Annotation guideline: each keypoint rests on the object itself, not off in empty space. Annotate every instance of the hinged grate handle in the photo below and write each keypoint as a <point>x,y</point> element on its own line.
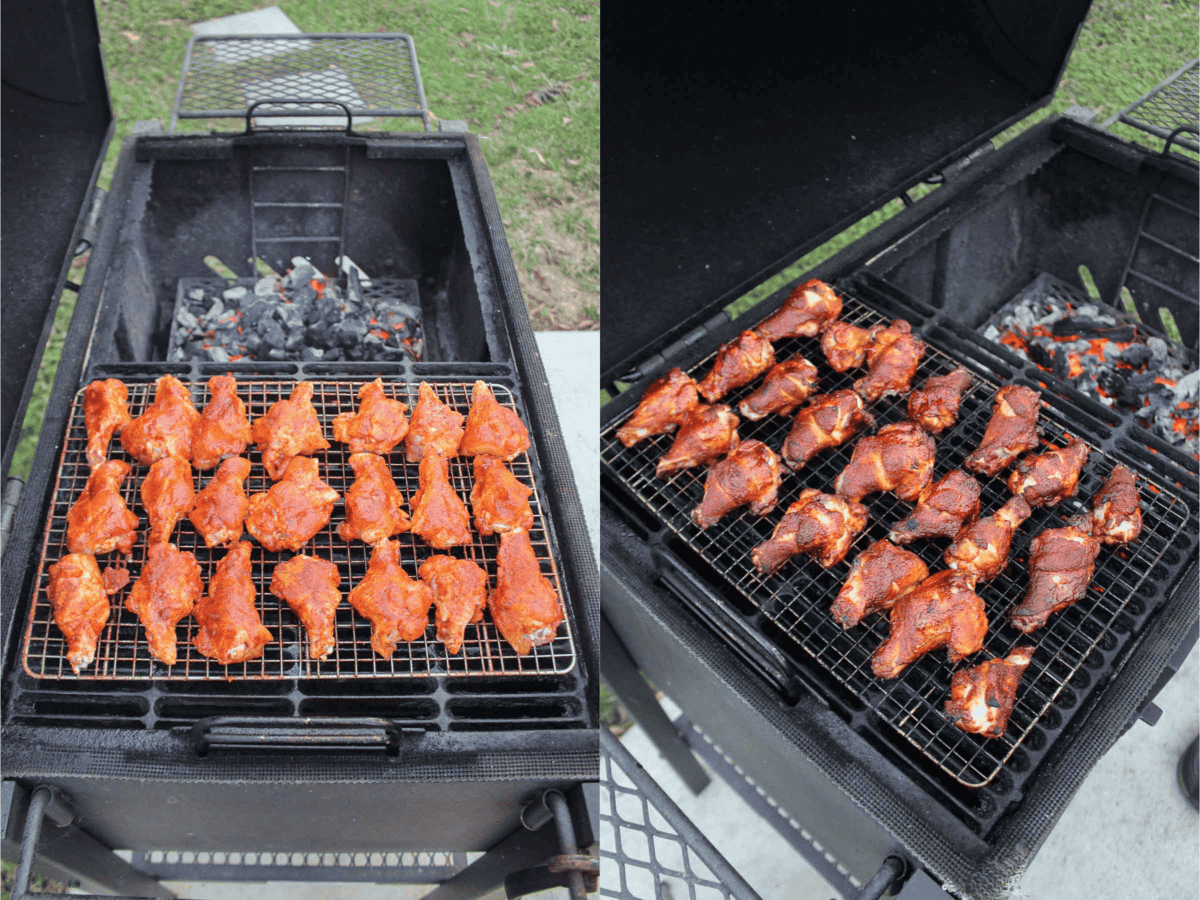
<point>285,733</point>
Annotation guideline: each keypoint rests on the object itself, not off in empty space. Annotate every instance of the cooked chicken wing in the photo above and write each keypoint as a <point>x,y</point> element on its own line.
<point>827,421</point>
<point>750,474</point>
<point>500,502</point>
<point>165,593</point>
<point>982,697</point>
<point>291,511</point>
<point>289,429</point>
<point>223,430</point>
<point>845,345</point>
<point>115,578</point>
<point>310,587</point>
<point>460,591</point>
<point>166,427</point>
<point>934,405</point>
<point>396,605</point>
<point>738,362</point>
<point>373,502</point>
<point>1050,477</point>
<point>881,575</point>
<point>1062,562</point>
<point>892,359</point>
<point>99,521</point>
<point>821,525</point>
<point>807,309</point>
<point>898,459</point>
<point>230,628</point>
<point>492,429</point>
<point>80,604</point>
<point>377,427</point>
<point>222,504</point>
<point>942,611</point>
<point>524,604</point>
<point>439,516</point>
<point>1011,431</point>
<point>981,548</point>
<point>104,414</point>
<point>941,510</point>
<point>786,386</point>
<point>434,426</point>
<point>167,495</point>
<point>663,407</point>
<point>707,434</point>
<point>1117,509</point>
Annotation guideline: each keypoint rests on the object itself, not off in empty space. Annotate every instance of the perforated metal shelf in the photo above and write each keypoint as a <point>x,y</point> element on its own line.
<point>1171,105</point>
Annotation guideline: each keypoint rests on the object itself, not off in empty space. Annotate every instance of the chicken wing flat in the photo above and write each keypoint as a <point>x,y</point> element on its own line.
<point>291,511</point>
<point>1117,509</point>
<point>99,521</point>
<point>934,405</point>
<point>942,611</point>
<point>223,430</point>
<point>524,604</point>
<point>80,605</point>
<point>707,434</point>
<point>434,426</point>
<point>881,575</point>
<point>289,429</point>
<point>786,386</point>
<point>492,429</point>
<point>165,593</point>
<point>892,359</point>
<point>310,587</point>
<point>167,496</point>
<point>807,309</point>
<point>738,362</point>
<point>373,512</point>
<point>439,516</point>
<point>230,628</point>
<point>982,697</point>
<point>166,428</point>
<point>1011,431</point>
<point>396,605</point>
<point>845,345</point>
<point>748,475</point>
<point>1062,562</point>
<point>981,548</point>
<point>827,421</point>
<point>662,409</point>
<point>1051,477</point>
<point>222,504</point>
<point>104,414</point>
<point>377,427</point>
<point>941,510</point>
<point>500,502</point>
<point>821,525</point>
<point>460,590</point>
<point>899,458</point>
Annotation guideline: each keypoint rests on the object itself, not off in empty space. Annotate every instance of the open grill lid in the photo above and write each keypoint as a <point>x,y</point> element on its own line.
<point>736,141</point>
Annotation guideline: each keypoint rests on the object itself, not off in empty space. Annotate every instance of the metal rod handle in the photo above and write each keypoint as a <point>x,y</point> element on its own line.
<point>308,100</point>
<point>284,733</point>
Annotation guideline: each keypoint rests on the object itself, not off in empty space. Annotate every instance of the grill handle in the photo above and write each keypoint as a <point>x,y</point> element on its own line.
<point>272,733</point>
<point>298,113</point>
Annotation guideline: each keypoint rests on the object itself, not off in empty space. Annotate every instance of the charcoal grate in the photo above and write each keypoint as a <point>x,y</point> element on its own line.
<point>122,652</point>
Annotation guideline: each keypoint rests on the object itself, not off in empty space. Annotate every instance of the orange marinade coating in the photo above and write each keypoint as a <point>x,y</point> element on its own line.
<point>492,429</point>
<point>230,628</point>
<point>166,427</point>
<point>439,516</point>
<point>99,521</point>
<point>165,593</point>
<point>104,414</point>
<point>223,430</point>
<point>222,505</point>
<point>434,427</point>
<point>291,511</point>
<point>289,429</point>
<point>377,427</point>
<point>396,605</point>
<point>80,605</point>
<point>500,502</point>
<point>310,587</point>
<point>373,502</point>
<point>524,604</point>
<point>460,591</point>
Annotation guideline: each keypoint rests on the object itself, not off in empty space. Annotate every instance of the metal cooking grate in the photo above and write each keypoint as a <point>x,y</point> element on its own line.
<point>1171,105</point>
<point>798,597</point>
<point>122,652</point>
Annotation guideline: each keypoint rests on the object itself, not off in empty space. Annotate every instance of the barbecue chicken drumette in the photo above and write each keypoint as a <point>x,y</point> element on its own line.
<point>492,429</point>
<point>982,697</point>
<point>439,516</point>
<point>230,628</point>
<point>662,409</point>
<point>1011,431</point>
<point>377,427</point>
<point>396,605</point>
<point>434,426</point>
<point>821,525</point>
<point>223,430</point>
<point>500,502</point>
<point>1051,477</point>
<point>460,591</point>
<point>807,309</point>
<point>99,521</point>
<point>166,428</point>
<point>524,604</point>
<point>941,509</point>
<point>1062,562</point>
<point>79,601</point>
<point>167,495</point>
<point>310,587</point>
<point>707,434</point>
<point>845,345</point>
<point>981,548</point>
<point>892,359</point>
<point>289,429</point>
<point>934,405</point>
<point>739,362</point>
<point>827,421</point>
<point>104,414</point>
<point>899,458</point>
<point>291,511</point>
<point>942,611</point>
<point>750,474</point>
<point>881,575</point>
<point>222,504</point>
<point>786,386</point>
<point>373,502</point>
<point>166,593</point>
<point>1117,509</point>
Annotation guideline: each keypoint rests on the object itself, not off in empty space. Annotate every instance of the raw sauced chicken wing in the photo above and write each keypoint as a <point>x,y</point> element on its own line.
<point>439,516</point>
<point>373,502</point>
<point>79,602</point>
<point>707,434</point>
<point>1062,562</point>
<point>377,427</point>
<point>460,590</point>
<point>899,458</point>
<point>821,525</point>
<point>434,427</point>
<point>310,587</point>
<point>892,359</point>
<point>500,502</point>
<point>942,611</point>
<point>165,594</point>
<point>289,429</point>
<point>934,405</point>
<point>396,605</point>
<point>881,575</point>
<point>104,414</point>
<point>786,386</point>
<point>1117,509</point>
<point>981,548</point>
<point>982,697</point>
<point>524,604</point>
<point>1011,431</point>
<point>291,511</point>
<point>99,521</point>
<point>827,421</point>
<point>845,345</point>
<point>223,431</point>
<point>167,495</point>
<point>941,510</point>
<point>1051,477</point>
<point>662,409</point>
<point>222,504</point>
<point>738,362</point>
<point>231,630</point>
<point>748,475</point>
<point>807,309</point>
<point>166,427</point>
<point>492,429</point>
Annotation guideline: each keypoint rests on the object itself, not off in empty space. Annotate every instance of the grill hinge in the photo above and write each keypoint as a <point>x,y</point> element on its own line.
<point>660,361</point>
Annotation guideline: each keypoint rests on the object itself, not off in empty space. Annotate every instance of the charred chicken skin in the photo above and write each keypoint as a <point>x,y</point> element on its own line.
<point>845,345</point>
<point>827,421</point>
<point>786,386</point>
<point>898,459</point>
<point>942,611</point>
<point>807,309</point>
<point>221,506</point>
<point>168,496</point>
<point>739,362</point>
<point>1117,509</point>
<point>941,510</point>
<point>373,512</point>
<point>80,605</point>
<point>460,590</point>
<point>310,587</point>
<point>291,511</point>
<point>434,427</point>
<point>1011,431</point>
<point>934,405</point>
<point>289,429</point>
<point>492,429</point>
<point>750,474</point>
<point>524,604</point>
<point>377,427</point>
<point>230,628</point>
<point>166,428</point>
<point>707,434</point>
<point>982,697</point>
<point>500,502</point>
<point>223,430</point>
<point>981,548</point>
<point>166,593</point>
<point>99,521</point>
<point>396,605</point>
<point>662,409</point>
<point>892,359</point>
<point>1051,477</point>
<point>881,575</point>
<point>104,414</point>
<point>1062,562</point>
<point>439,516</point>
<point>821,525</point>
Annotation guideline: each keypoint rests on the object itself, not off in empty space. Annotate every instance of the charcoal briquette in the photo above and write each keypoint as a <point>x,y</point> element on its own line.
<point>1137,355</point>
<point>234,295</point>
<point>271,333</point>
<point>290,315</point>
